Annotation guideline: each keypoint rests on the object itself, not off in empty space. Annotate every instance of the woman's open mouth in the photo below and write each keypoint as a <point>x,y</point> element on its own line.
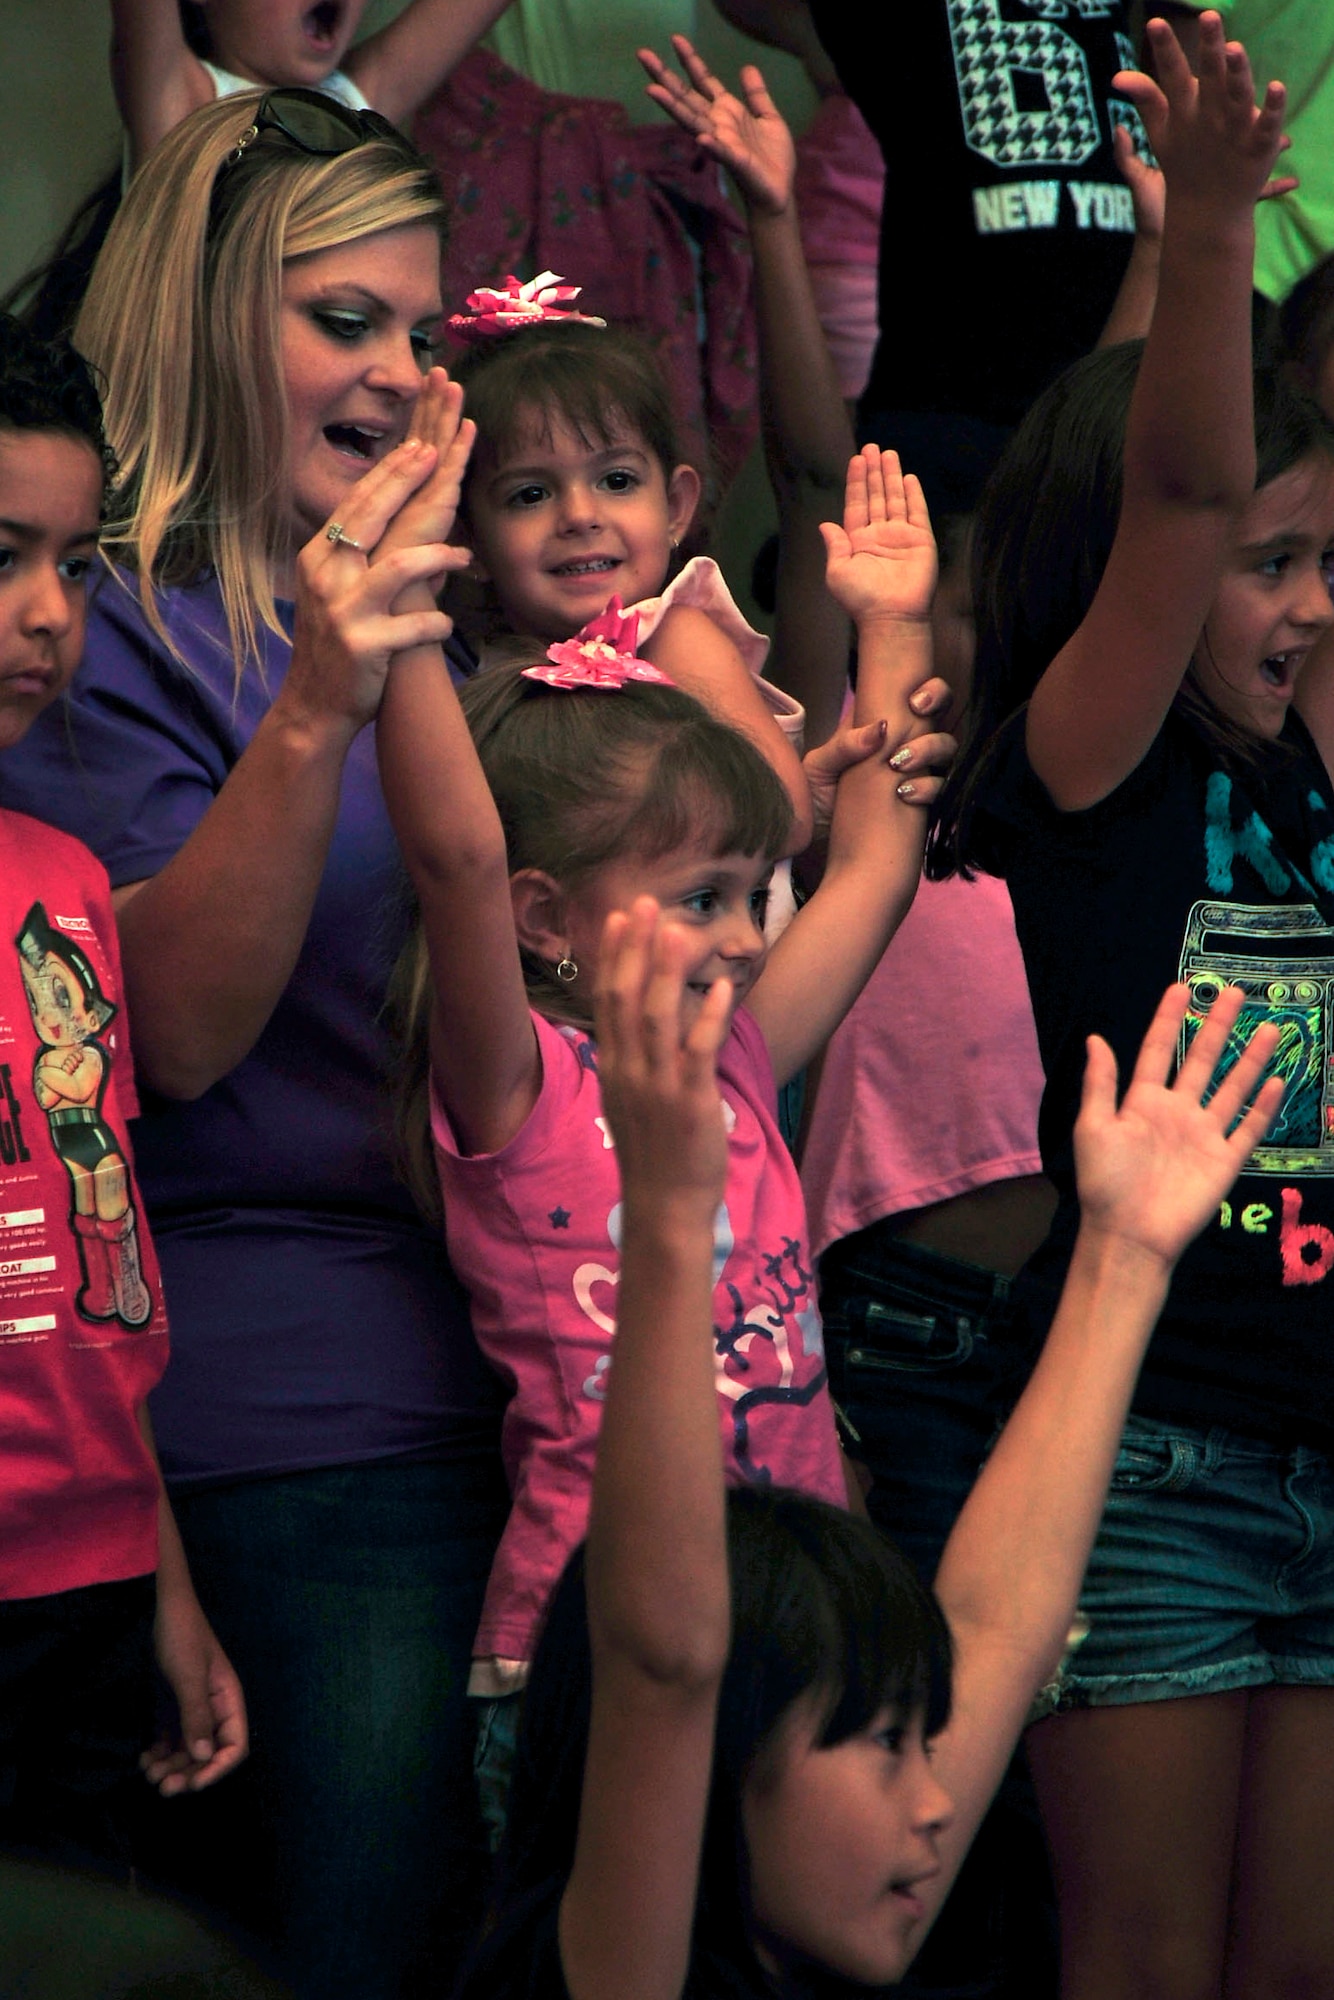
<point>358,441</point>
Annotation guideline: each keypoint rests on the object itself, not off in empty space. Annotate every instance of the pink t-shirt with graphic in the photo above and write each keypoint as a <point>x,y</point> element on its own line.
<point>534,1233</point>
<point>83,1330</point>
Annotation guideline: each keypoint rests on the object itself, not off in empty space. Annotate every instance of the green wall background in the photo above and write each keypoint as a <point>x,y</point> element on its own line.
<point>59,134</point>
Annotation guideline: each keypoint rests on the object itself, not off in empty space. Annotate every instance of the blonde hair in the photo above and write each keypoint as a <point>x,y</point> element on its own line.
<point>182,319</point>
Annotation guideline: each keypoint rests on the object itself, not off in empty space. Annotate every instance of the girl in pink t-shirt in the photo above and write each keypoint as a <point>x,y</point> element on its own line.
<point>589,779</point>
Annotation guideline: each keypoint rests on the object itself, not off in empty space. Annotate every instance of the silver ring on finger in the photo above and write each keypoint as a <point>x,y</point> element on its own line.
<point>340,539</point>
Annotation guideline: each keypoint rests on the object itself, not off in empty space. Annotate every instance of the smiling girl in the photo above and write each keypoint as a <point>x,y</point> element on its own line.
<point>577,494</point>
<point>754,1748</point>
<point>567,785</point>
<point>1154,561</point>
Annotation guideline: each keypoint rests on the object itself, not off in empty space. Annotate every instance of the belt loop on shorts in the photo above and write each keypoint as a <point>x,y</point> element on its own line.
<point>1215,1448</point>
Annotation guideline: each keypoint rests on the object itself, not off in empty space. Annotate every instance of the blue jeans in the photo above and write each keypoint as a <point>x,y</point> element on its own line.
<point>923,1372</point>
<point>497,1727</point>
<point>347,1600</point>
<point>924,1369</point>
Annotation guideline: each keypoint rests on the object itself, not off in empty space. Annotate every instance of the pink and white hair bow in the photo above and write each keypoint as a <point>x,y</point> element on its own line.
<point>600,655</point>
<point>492,311</point>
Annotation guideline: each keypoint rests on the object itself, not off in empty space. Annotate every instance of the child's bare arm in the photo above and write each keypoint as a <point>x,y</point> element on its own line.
<point>398,68</point>
<point>1132,308</point>
<point>484,1057</point>
<point>158,80</point>
<point>701,658</point>
<point>658,1607</point>
<point>808,439</point>
<point>1151,1174</point>
<point>882,566</point>
<point>214,1735</point>
<point>1189,465</point>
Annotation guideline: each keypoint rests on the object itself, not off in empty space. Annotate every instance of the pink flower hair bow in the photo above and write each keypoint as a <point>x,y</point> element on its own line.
<point>492,311</point>
<point>601,655</point>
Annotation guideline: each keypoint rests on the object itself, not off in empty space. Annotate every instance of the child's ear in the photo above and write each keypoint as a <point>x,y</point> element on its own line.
<point>683,490</point>
<point>539,915</point>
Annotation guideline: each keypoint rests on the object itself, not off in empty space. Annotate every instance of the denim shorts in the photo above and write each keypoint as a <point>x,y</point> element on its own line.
<point>1213,1570</point>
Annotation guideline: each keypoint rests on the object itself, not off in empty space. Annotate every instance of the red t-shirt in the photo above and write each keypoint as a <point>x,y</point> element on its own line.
<point>83,1333</point>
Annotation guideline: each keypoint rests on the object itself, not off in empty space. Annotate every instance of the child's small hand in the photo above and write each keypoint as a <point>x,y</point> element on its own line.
<point>1215,147</point>
<point>882,561</point>
<point>1153,1172</point>
<point>428,515</point>
<point>1148,189</point>
<point>213,1735</point>
<point>750,138</point>
<point>916,760</point>
<point>657,1050</point>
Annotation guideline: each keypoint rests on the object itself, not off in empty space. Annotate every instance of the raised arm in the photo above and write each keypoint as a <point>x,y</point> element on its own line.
<point>1189,465</point>
<point>224,920</point>
<point>700,657</point>
<point>1132,308</point>
<point>807,436</point>
<point>882,567</point>
<point>399,67</point>
<point>1151,1175</point>
<point>484,1057</point>
<point>658,1605</point>
<point>157,78</point>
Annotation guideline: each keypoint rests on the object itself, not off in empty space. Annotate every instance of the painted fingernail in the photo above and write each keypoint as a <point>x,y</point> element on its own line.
<point>920,704</point>
<point>412,444</point>
<point>901,759</point>
<point>907,790</point>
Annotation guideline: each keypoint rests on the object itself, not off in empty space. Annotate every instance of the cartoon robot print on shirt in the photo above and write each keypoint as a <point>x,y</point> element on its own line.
<point>69,1012</point>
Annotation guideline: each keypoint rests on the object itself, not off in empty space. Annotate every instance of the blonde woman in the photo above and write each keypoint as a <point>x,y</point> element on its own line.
<point>261,314</point>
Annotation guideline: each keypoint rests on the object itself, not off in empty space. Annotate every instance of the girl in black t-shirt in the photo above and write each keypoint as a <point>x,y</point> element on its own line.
<point>1153,573</point>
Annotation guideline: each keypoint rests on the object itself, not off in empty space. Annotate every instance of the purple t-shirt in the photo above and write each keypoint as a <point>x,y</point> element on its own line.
<point>314,1318</point>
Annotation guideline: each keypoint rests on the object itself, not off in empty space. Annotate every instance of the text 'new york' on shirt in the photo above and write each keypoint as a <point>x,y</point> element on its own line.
<point>1006,226</point>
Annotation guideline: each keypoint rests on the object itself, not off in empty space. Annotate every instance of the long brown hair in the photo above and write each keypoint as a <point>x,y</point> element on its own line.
<point>579,780</point>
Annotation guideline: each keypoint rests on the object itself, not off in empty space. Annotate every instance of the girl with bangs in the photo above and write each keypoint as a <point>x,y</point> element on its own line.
<point>1153,560</point>
<point>754,1747</point>
<point>566,786</point>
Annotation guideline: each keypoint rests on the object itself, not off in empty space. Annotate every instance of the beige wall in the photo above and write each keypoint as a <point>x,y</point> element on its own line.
<point>58,128</point>
<point>59,132</point>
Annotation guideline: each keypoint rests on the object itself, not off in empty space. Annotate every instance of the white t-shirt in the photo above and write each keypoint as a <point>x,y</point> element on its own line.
<point>334,85</point>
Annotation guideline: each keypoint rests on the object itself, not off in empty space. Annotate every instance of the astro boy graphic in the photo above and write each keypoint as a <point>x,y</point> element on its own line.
<point>69,1011</point>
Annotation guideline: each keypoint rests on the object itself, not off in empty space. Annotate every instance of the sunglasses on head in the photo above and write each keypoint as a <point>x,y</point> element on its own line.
<point>310,122</point>
<point>314,123</point>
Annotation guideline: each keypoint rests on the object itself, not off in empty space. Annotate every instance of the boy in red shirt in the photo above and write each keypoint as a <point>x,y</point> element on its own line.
<point>92,1575</point>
